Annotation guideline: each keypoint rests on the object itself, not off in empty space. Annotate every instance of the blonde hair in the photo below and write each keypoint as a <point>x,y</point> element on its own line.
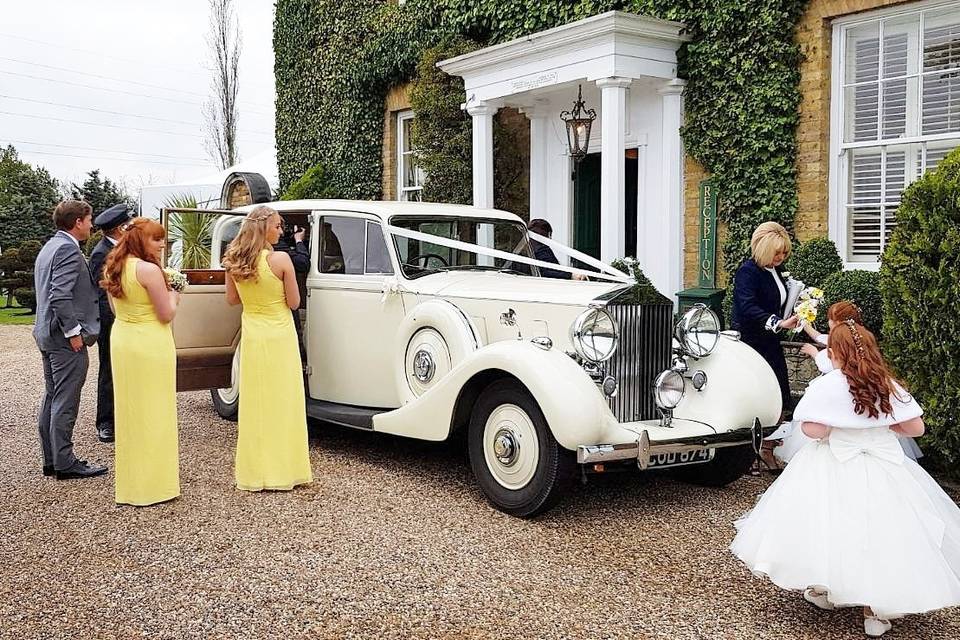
<point>243,254</point>
<point>769,239</point>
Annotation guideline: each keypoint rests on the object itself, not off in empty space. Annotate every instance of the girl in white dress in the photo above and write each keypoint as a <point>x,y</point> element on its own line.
<point>793,438</point>
<point>852,521</point>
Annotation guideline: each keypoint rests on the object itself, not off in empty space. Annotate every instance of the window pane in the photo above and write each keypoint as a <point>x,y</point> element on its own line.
<point>864,177</point>
<point>938,151</point>
<point>864,239</point>
<point>897,106</point>
<point>895,42</point>
<point>342,245</point>
<point>378,259</point>
<point>941,102</point>
<point>406,124</point>
<point>896,178</point>
<point>941,40</point>
<point>863,53</point>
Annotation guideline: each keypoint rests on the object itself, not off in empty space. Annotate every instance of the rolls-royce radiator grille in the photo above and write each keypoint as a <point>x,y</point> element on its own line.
<point>644,351</point>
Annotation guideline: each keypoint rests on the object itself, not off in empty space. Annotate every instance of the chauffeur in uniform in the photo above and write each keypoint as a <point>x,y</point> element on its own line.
<point>111,222</point>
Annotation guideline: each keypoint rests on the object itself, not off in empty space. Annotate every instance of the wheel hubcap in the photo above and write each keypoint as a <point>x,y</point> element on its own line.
<point>510,446</point>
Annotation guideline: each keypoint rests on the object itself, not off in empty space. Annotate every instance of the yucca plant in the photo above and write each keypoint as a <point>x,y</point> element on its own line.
<point>192,230</point>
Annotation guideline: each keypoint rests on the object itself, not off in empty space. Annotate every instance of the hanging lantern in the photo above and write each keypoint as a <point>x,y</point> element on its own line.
<point>579,122</point>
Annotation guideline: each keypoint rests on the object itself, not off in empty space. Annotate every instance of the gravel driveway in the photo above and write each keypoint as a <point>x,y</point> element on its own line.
<point>392,540</point>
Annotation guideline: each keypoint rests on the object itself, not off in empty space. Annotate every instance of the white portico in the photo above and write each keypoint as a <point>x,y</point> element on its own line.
<point>626,195</point>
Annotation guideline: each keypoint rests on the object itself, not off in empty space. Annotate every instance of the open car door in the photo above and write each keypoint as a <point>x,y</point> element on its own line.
<point>206,330</point>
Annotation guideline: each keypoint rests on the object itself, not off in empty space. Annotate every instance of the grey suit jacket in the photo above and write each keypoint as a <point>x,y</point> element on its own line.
<point>66,294</point>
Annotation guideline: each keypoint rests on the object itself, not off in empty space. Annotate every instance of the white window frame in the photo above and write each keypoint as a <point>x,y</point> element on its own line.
<point>838,224</point>
<point>404,191</point>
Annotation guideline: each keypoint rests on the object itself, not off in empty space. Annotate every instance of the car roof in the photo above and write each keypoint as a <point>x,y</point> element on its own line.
<point>384,209</point>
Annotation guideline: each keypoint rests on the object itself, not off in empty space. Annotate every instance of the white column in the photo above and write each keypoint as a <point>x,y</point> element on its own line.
<point>613,121</point>
<point>669,275</point>
<point>482,114</point>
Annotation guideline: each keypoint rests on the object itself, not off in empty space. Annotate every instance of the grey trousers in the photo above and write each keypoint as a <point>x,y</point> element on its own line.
<point>64,372</point>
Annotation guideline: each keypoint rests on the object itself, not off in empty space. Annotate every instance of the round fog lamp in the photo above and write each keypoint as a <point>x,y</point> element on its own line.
<point>594,335</point>
<point>668,389</point>
<point>699,380</point>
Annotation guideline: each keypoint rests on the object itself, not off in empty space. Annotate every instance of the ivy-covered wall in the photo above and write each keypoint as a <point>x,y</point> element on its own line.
<point>336,59</point>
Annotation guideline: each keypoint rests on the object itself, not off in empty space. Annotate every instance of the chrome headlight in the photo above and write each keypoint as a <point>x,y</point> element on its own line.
<point>594,335</point>
<point>698,331</point>
<point>668,389</point>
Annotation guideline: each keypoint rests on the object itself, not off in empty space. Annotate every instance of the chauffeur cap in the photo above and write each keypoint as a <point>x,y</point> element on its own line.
<point>112,217</point>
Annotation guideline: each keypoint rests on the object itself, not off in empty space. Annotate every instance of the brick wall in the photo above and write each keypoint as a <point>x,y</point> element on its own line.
<point>398,99</point>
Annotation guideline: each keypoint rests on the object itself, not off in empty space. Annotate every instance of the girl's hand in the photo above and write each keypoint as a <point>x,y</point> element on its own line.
<point>809,350</point>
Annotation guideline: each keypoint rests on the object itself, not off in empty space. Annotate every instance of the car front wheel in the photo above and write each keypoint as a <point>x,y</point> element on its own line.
<point>519,465</point>
<point>226,402</point>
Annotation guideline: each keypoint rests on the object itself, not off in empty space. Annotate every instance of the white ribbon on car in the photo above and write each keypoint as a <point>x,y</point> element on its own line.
<point>606,272</point>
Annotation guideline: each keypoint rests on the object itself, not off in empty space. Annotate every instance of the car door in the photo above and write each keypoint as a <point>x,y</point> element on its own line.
<point>351,322</point>
<point>206,330</point>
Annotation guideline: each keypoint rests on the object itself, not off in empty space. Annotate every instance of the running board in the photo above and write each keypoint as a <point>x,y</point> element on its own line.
<point>346,415</point>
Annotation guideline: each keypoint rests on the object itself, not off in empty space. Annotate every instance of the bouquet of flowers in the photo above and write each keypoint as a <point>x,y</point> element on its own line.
<point>178,281</point>
<point>806,308</point>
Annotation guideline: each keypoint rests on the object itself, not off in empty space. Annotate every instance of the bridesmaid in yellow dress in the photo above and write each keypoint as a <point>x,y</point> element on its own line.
<point>144,367</point>
<point>272,450</point>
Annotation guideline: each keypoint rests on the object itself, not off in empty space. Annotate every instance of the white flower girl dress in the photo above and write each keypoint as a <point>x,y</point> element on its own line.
<point>853,516</point>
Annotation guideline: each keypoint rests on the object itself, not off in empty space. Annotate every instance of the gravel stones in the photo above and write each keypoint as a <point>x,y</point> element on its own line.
<point>392,540</point>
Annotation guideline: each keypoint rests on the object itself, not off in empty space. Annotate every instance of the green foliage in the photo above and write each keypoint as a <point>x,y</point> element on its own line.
<point>92,242</point>
<point>16,265</point>
<point>335,60</point>
<point>814,261</point>
<point>100,193</point>
<point>920,285</point>
<point>193,231</point>
<point>860,287</point>
<point>27,199</point>
<point>9,264</point>
<point>312,184</point>
<point>26,298</point>
<point>442,132</point>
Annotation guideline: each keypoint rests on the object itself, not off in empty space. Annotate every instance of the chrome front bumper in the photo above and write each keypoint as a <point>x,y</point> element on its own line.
<point>643,449</point>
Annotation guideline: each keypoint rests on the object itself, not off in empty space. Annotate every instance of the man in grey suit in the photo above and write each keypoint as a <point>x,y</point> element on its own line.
<point>67,322</point>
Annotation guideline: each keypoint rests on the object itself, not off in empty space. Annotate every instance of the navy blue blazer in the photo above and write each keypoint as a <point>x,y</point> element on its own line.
<point>756,297</point>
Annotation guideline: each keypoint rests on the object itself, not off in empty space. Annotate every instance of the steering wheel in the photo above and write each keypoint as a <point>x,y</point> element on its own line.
<point>425,257</point>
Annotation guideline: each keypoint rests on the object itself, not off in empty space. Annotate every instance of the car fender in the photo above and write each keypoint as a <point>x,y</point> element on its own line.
<point>740,387</point>
<point>572,404</point>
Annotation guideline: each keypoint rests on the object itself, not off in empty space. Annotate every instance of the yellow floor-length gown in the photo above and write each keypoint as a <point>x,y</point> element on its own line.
<point>272,449</point>
<point>144,363</point>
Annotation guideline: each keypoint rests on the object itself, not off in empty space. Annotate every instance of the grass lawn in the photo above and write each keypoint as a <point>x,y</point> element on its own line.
<point>14,315</point>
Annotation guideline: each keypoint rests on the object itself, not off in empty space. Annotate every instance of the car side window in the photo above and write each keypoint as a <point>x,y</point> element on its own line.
<point>342,245</point>
<point>378,258</point>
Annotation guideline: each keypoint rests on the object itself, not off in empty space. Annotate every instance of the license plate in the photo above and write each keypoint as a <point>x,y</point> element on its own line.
<point>661,460</point>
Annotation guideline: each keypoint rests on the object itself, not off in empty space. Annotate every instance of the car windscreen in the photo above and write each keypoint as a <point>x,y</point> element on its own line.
<point>418,257</point>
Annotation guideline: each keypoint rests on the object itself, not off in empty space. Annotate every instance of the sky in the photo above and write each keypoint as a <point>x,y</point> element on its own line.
<point>119,85</point>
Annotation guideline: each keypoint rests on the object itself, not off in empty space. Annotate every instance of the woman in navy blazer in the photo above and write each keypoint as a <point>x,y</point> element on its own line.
<point>759,295</point>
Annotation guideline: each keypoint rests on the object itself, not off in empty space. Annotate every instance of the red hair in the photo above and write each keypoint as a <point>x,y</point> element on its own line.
<point>843,311</point>
<point>871,382</point>
<point>133,244</point>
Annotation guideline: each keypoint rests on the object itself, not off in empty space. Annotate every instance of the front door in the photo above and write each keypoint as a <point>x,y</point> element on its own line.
<point>586,209</point>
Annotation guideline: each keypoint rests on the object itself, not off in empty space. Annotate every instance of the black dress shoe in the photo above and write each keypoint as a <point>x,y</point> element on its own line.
<point>49,470</point>
<point>105,434</point>
<point>81,470</point>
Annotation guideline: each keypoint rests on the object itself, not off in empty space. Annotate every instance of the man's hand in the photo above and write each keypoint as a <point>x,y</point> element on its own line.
<point>578,276</point>
<point>809,350</point>
<point>299,233</point>
<point>76,343</point>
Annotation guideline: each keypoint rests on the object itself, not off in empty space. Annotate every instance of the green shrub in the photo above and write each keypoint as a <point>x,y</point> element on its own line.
<point>92,242</point>
<point>312,184</point>
<point>860,287</point>
<point>920,286</point>
<point>814,261</point>
<point>26,298</point>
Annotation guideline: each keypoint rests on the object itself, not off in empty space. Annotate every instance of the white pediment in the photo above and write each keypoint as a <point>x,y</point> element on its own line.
<point>613,44</point>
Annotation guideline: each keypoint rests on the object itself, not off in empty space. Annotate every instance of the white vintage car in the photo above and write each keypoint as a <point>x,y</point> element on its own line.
<point>547,378</point>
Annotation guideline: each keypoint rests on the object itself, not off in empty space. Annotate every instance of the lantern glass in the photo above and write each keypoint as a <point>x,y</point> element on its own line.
<point>579,121</point>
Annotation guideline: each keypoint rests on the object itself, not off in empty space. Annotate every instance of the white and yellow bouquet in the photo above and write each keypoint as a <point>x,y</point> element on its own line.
<point>807,304</point>
<point>178,281</point>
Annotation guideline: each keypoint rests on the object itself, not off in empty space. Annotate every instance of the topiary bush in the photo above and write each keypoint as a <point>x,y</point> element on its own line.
<point>920,286</point>
<point>860,287</point>
<point>814,261</point>
<point>315,183</point>
<point>26,298</point>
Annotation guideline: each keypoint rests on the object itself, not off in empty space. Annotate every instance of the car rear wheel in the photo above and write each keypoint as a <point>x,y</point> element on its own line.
<point>728,464</point>
<point>226,402</point>
<point>519,465</point>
